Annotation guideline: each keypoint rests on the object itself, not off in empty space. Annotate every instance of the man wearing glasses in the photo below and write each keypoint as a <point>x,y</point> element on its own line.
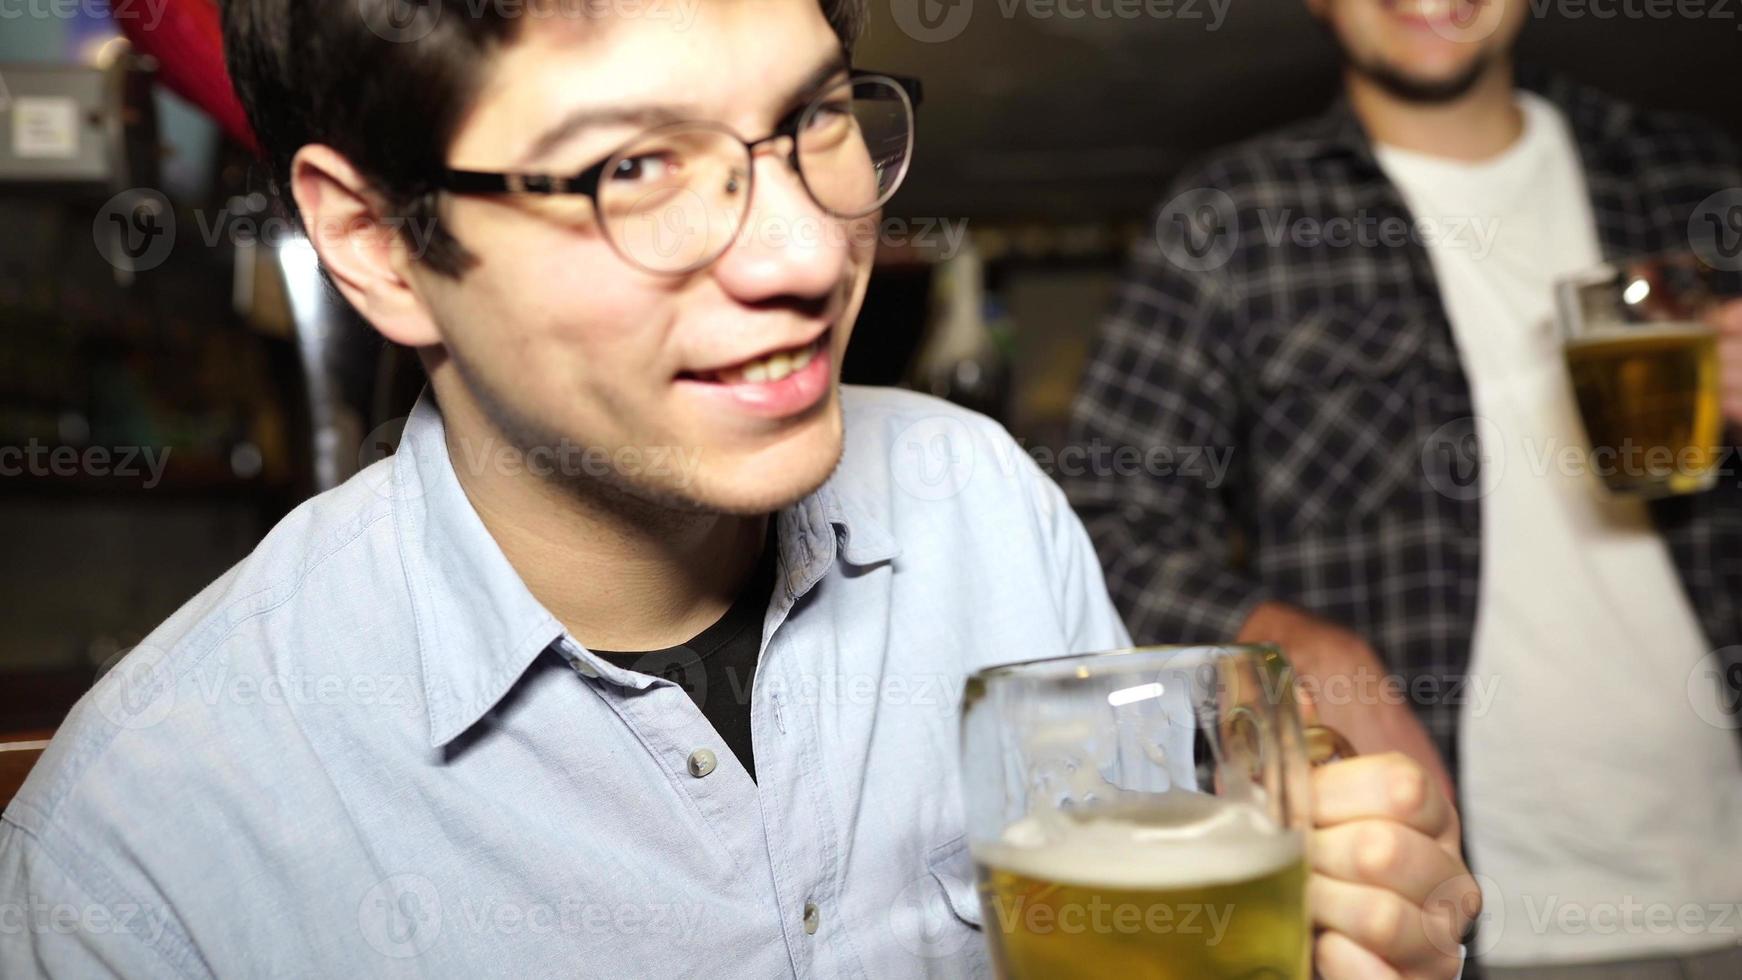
<point>396,740</point>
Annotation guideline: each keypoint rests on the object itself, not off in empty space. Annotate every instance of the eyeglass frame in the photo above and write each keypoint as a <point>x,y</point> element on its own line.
<point>587,182</point>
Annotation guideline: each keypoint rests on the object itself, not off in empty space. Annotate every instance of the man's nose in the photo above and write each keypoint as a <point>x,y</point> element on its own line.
<point>788,245</point>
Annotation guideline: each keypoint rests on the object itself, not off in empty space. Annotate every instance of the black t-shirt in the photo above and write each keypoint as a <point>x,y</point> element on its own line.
<point>717,666</point>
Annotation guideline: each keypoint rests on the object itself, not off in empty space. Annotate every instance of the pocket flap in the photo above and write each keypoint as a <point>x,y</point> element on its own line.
<point>952,866</point>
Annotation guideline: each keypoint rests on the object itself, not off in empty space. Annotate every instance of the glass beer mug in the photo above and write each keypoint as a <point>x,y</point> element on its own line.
<point>1644,369</point>
<point>1142,814</point>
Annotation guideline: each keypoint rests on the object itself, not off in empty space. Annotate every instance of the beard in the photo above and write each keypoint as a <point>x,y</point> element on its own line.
<point>1420,91</point>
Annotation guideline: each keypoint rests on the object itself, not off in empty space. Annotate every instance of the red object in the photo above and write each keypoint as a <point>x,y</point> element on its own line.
<point>188,43</point>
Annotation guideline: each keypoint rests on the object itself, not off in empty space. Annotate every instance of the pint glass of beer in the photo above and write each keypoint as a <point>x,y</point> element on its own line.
<point>1140,814</point>
<point>1644,370</point>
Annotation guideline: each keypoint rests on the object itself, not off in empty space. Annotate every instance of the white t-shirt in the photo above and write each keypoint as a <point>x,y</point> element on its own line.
<point>1598,802</point>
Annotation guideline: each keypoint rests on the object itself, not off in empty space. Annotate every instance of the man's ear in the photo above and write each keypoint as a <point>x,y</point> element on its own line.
<point>366,256</point>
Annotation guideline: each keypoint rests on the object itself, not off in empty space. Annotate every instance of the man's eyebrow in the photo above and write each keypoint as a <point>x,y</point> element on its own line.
<point>821,75</point>
<point>646,116</point>
<point>651,115</point>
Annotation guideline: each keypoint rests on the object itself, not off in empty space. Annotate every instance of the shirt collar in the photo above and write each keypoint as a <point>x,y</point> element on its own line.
<point>829,524</point>
<point>479,627</point>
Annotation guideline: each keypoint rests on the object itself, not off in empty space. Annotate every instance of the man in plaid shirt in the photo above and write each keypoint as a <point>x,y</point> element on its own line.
<point>1356,313</point>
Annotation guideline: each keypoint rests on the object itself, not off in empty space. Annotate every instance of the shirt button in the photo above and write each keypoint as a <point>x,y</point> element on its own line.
<point>702,762</point>
<point>585,669</point>
<point>812,918</point>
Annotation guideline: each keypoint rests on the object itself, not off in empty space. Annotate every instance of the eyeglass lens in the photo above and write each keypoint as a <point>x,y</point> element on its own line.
<point>676,198</point>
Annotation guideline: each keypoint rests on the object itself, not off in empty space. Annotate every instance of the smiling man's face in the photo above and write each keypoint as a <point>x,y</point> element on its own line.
<point>557,340</point>
<point>1427,50</point>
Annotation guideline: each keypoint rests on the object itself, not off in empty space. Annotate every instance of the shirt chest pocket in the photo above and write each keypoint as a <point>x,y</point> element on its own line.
<point>1337,409</point>
<point>936,920</point>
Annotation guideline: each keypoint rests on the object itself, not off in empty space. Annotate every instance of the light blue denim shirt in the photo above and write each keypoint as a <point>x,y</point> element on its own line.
<point>367,750</point>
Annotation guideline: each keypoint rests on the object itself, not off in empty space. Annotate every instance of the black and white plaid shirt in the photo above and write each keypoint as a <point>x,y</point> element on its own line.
<point>1330,373</point>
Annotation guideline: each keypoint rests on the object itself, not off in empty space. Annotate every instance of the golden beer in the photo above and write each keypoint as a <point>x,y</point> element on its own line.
<point>1201,889</point>
<point>1649,398</point>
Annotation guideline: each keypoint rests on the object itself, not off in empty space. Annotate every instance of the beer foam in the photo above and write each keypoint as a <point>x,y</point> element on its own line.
<point>1667,329</point>
<point>1220,844</point>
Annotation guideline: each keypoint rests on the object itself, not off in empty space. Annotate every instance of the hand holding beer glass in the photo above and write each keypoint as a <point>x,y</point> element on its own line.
<point>1146,814</point>
<point>1644,369</point>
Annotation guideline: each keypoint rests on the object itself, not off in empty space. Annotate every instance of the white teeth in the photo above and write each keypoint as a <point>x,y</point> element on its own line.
<point>773,367</point>
<point>1428,9</point>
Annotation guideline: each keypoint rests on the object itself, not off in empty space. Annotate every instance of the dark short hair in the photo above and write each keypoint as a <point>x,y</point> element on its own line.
<point>384,82</point>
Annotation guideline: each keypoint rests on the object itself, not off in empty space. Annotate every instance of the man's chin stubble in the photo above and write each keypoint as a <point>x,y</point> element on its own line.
<point>608,490</point>
<point>1421,91</point>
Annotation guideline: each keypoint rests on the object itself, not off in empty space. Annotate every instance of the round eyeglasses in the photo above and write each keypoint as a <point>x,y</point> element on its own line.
<point>673,199</point>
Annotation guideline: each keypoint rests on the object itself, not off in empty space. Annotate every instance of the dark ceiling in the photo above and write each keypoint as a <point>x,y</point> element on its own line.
<point>1085,119</point>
